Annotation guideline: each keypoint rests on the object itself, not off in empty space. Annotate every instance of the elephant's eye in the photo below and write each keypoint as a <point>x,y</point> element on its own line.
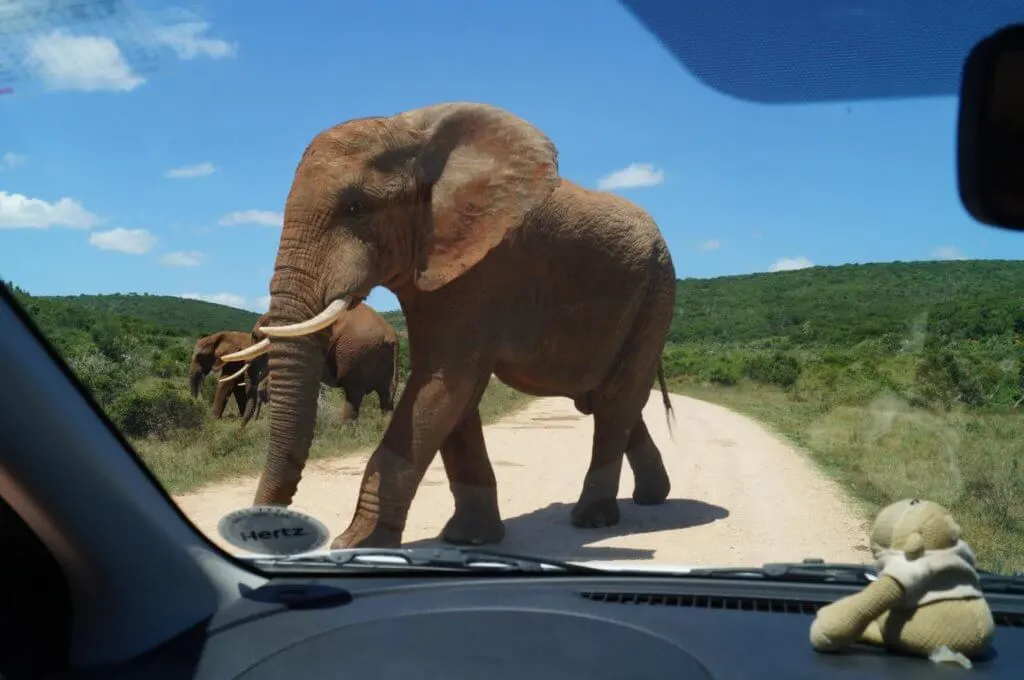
<point>355,209</point>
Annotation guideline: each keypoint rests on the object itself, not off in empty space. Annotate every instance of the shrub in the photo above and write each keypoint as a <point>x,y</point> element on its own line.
<point>156,410</point>
<point>781,370</point>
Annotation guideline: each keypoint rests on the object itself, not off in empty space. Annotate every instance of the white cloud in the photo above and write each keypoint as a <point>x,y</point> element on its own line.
<point>131,241</point>
<point>82,63</point>
<point>265,218</point>
<point>632,176</point>
<point>713,244</point>
<point>948,253</point>
<point>263,303</point>
<point>92,51</point>
<point>182,259</point>
<point>228,299</point>
<point>187,42</point>
<point>11,160</point>
<point>788,264</point>
<point>18,211</point>
<point>190,171</point>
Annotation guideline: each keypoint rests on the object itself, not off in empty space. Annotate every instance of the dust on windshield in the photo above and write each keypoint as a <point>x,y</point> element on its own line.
<point>643,321</point>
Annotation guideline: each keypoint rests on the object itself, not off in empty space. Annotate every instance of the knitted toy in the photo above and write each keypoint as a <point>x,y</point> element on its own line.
<point>927,600</point>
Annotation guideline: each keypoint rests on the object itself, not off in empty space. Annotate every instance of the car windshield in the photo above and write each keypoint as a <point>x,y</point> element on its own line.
<point>553,285</point>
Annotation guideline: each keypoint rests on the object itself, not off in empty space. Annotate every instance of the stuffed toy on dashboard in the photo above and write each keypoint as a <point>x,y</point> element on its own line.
<point>927,596</point>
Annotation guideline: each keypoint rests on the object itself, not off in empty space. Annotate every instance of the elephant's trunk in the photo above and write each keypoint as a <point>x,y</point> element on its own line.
<point>296,364</point>
<point>195,379</point>
<point>306,280</point>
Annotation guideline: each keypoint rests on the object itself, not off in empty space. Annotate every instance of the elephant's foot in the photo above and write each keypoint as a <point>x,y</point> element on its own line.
<point>467,529</point>
<point>651,484</point>
<point>476,520</point>
<point>362,535</point>
<point>651,487</point>
<point>597,506</point>
<point>599,513</point>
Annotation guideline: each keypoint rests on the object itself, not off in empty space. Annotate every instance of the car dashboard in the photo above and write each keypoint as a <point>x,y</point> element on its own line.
<point>564,626</point>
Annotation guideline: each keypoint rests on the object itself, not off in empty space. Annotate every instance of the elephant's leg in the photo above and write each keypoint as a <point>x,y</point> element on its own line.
<point>651,484</point>
<point>617,407</point>
<point>353,400</point>
<point>220,399</point>
<point>384,399</point>
<point>598,505</point>
<point>239,391</point>
<point>476,520</point>
<point>426,413</point>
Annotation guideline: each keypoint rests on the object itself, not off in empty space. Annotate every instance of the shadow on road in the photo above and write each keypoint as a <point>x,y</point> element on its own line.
<point>547,532</point>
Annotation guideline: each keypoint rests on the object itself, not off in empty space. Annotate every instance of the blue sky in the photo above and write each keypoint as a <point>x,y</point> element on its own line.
<point>157,158</point>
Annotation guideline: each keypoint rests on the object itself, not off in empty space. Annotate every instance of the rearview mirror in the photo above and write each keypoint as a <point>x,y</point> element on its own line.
<point>990,135</point>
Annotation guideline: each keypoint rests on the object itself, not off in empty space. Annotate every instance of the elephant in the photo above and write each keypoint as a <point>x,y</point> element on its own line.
<point>361,357</point>
<point>256,382</point>
<point>500,266</point>
<point>208,355</point>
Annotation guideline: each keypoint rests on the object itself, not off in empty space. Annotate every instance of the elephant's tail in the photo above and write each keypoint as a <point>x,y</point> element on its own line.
<point>670,415</point>
<point>394,372</point>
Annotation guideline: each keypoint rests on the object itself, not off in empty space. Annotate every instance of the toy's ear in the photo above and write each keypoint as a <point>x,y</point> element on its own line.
<point>914,546</point>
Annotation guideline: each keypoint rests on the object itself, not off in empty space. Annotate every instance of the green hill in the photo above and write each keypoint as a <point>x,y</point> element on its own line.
<point>840,305</point>
<point>851,303</point>
<point>193,317</point>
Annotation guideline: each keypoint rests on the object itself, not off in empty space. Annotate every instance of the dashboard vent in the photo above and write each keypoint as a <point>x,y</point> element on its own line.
<point>769,605</point>
<point>754,604</point>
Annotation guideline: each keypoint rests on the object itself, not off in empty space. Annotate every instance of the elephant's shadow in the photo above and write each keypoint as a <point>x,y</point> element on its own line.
<point>547,531</point>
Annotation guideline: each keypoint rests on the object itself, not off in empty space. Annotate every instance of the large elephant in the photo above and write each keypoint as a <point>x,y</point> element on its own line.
<point>361,357</point>
<point>209,355</point>
<point>499,265</point>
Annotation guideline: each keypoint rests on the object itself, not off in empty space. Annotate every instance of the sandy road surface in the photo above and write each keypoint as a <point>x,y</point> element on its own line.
<point>739,494</point>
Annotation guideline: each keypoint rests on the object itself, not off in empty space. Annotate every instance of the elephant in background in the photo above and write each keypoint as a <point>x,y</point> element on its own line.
<point>361,356</point>
<point>208,355</point>
<point>500,266</point>
<point>256,380</point>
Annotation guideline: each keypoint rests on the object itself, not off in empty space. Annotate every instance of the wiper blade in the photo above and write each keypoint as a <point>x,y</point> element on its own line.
<point>818,571</point>
<point>428,559</point>
<point>811,569</point>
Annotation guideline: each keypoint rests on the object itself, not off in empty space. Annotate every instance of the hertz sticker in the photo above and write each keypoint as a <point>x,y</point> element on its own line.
<point>272,530</point>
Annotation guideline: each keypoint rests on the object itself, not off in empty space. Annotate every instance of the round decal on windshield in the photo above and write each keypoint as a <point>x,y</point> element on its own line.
<point>272,530</point>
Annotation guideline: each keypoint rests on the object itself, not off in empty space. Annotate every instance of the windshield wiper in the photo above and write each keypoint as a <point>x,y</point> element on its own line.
<point>811,569</point>
<point>818,571</point>
<point>427,559</point>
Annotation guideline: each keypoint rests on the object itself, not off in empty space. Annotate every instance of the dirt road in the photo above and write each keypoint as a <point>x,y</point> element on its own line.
<point>739,494</point>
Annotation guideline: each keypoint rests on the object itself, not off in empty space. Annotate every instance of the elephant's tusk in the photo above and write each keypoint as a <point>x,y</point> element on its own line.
<point>250,352</point>
<point>235,374</point>
<point>317,323</point>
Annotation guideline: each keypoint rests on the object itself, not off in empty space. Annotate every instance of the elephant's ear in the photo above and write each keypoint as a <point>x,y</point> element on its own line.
<point>486,169</point>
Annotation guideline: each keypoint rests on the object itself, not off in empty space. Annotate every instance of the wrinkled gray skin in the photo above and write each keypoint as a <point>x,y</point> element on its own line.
<point>500,266</point>
<point>206,357</point>
<point>361,357</point>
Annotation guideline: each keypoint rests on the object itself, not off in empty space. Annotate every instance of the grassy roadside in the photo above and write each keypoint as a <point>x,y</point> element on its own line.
<point>219,450</point>
<point>885,450</point>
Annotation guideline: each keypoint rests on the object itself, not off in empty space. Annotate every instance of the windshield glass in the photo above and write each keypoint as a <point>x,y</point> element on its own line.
<point>832,330</point>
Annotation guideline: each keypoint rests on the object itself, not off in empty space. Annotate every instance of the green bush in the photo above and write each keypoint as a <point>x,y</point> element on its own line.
<point>105,378</point>
<point>781,370</point>
<point>156,410</point>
